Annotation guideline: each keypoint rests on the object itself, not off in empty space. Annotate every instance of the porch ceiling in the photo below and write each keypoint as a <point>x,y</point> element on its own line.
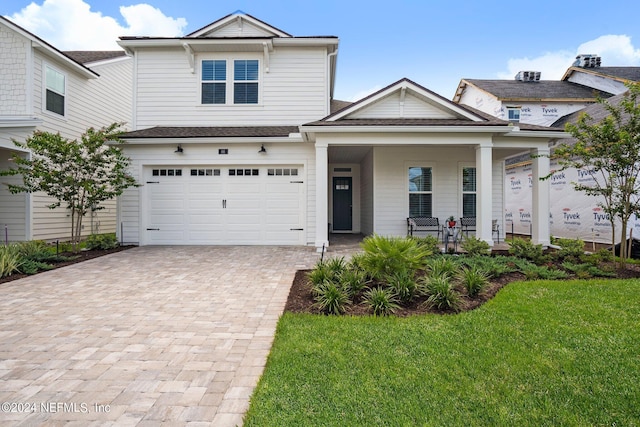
<point>346,154</point>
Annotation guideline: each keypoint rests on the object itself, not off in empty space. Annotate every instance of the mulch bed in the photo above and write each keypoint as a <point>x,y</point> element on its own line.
<point>301,299</point>
<point>79,257</point>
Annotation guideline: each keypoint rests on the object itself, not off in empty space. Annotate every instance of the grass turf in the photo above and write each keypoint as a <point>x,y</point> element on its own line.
<point>540,353</point>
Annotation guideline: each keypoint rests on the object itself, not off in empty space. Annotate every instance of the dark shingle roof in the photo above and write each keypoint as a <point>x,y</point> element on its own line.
<point>541,90</point>
<point>337,105</point>
<point>86,56</point>
<point>212,132</point>
<point>596,111</point>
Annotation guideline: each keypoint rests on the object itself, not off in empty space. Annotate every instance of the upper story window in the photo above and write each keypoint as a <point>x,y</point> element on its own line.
<point>245,81</point>
<point>218,88</point>
<point>214,82</point>
<point>55,91</point>
<point>513,114</point>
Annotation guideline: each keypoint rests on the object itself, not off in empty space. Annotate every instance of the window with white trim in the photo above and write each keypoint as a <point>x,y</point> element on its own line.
<point>245,81</point>
<point>420,191</point>
<point>513,114</point>
<point>55,90</point>
<point>214,81</point>
<point>469,192</point>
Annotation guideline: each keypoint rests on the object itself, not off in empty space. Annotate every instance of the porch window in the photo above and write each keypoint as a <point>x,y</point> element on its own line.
<point>420,192</point>
<point>55,91</point>
<point>245,77</point>
<point>214,82</point>
<point>469,192</point>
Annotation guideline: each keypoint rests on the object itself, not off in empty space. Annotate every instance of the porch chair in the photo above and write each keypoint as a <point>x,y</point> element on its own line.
<point>468,223</point>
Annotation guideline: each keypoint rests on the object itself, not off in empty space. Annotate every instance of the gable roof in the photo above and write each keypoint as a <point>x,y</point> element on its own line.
<point>49,50</point>
<point>543,90</point>
<point>88,56</point>
<point>440,107</point>
<point>239,18</point>
<point>212,132</point>
<point>596,111</point>
<point>622,74</point>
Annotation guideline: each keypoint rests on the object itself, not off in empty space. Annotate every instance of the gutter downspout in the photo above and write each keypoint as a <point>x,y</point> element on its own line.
<point>332,80</point>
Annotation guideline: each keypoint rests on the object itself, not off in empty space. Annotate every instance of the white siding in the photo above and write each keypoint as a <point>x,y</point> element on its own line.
<point>13,207</point>
<point>391,198</point>
<point>132,203</point>
<point>239,29</point>
<point>366,193</point>
<point>292,92</point>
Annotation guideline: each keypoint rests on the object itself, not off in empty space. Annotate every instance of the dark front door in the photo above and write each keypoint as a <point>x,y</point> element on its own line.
<point>342,204</point>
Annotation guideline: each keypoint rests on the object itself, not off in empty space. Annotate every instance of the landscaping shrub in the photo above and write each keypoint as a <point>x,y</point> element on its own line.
<point>441,293</point>
<point>523,248</point>
<point>385,256</point>
<point>353,281</point>
<point>404,285</point>
<point>443,265</point>
<point>537,272</point>
<point>10,259</point>
<point>571,249</point>
<point>29,266</point>
<point>430,243</point>
<point>474,246</point>
<point>473,279</point>
<point>102,241</point>
<point>381,301</point>
<point>36,250</point>
<point>331,298</point>
<point>492,266</point>
<point>323,272</point>
<point>586,270</point>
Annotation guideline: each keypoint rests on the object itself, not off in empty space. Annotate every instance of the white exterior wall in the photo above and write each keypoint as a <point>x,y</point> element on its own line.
<point>132,203</point>
<point>292,92</point>
<point>13,207</point>
<point>366,193</point>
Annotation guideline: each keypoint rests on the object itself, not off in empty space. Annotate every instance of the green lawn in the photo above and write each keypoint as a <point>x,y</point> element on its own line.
<point>542,353</point>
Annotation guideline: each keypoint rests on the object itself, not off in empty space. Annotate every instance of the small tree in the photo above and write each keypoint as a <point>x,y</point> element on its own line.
<point>81,173</point>
<point>610,150</point>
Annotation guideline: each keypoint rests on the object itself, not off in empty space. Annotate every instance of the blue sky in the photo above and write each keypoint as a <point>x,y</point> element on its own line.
<point>435,43</point>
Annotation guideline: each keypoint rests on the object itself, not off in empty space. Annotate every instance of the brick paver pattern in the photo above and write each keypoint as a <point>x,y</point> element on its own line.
<point>148,336</point>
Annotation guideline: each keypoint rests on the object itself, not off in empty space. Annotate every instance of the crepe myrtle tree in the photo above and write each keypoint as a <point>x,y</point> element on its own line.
<point>610,151</point>
<point>79,173</point>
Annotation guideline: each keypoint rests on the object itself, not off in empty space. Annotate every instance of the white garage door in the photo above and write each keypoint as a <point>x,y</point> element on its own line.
<point>212,205</point>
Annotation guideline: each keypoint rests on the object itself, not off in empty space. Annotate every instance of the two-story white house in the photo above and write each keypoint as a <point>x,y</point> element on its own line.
<point>43,88</point>
<point>237,140</point>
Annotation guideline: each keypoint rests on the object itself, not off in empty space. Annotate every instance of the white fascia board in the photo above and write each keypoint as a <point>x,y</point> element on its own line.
<point>211,140</point>
<point>127,57</point>
<point>73,65</point>
<point>539,134</point>
<point>404,129</point>
<point>311,41</point>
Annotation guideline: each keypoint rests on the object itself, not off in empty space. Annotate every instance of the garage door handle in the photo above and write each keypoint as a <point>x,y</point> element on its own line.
<point>296,229</point>
<point>153,229</point>
<point>224,203</point>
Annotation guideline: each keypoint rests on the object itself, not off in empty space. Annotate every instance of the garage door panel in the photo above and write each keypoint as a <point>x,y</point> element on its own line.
<point>226,208</point>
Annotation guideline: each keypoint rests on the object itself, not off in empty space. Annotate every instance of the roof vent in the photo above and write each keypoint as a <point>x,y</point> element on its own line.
<point>587,61</point>
<point>528,76</point>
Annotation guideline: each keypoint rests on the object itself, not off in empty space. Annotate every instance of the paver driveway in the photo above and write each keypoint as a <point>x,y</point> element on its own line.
<point>147,336</point>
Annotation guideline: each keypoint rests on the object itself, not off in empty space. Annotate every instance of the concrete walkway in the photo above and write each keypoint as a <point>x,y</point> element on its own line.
<point>149,336</point>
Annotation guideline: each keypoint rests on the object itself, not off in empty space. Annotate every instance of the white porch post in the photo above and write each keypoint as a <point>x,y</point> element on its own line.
<point>484,192</point>
<point>322,196</point>
<point>540,232</point>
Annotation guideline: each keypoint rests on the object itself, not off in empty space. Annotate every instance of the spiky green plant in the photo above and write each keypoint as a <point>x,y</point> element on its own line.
<point>474,246</point>
<point>353,281</point>
<point>403,284</point>
<point>443,265</point>
<point>10,259</point>
<point>441,293</point>
<point>385,256</point>
<point>381,301</point>
<point>331,298</point>
<point>473,279</point>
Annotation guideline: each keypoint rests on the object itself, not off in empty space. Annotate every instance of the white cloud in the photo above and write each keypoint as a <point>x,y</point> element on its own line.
<point>71,25</point>
<point>615,50</point>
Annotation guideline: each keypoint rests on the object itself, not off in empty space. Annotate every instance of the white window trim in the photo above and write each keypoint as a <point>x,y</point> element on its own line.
<point>514,108</point>
<point>461,167</point>
<point>434,201</point>
<point>231,80</point>
<point>46,65</point>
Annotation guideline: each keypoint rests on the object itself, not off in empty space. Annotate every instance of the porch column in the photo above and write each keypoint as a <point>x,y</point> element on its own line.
<point>322,196</point>
<point>540,231</point>
<point>484,192</point>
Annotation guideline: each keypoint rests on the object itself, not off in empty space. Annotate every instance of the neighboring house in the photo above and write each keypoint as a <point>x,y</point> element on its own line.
<point>236,142</point>
<point>527,99</point>
<point>42,88</point>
